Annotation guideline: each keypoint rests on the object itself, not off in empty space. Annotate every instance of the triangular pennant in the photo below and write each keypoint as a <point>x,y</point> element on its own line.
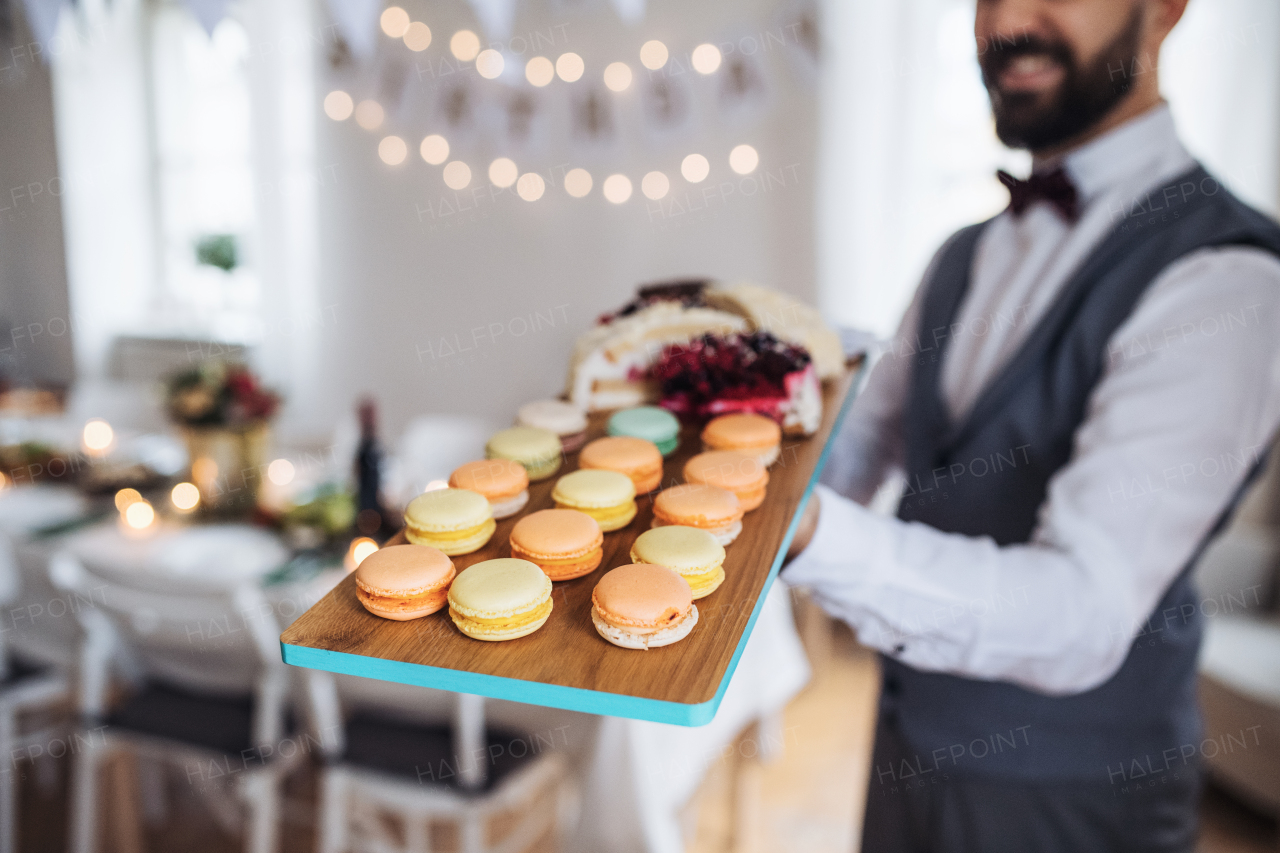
<point>209,12</point>
<point>497,18</point>
<point>42,17</point>
<point>357,20</point>
<point>630,11</point>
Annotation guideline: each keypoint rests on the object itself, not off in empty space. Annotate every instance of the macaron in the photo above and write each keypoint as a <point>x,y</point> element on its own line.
<point>708,508</point>
<point>404,582</point>
<point>643,606</point>
<point>503,482</point>
<point>754,434</point>
<point>606,496</point>
<point>538,450</point>
<point>457,521</point>
<point>638,458</point>
<point>693,553</point>
<point>743,474</point>
<point>500,599</point>
<point>564,543</point>
<point>564,419</point>
<point>647,422</point>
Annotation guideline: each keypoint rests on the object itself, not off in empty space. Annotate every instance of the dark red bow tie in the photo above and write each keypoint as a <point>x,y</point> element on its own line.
<point>1054,186</point>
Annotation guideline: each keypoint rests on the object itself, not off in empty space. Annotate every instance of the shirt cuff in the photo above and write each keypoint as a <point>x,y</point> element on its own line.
<point>841,524</point>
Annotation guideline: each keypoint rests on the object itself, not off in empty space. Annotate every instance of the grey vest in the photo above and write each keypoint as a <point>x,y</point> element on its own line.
<point>987,476</point>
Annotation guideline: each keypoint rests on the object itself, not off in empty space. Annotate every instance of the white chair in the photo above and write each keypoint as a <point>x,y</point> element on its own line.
<point>408,788</point>
<point>217,711</point>
<point>26,691</point>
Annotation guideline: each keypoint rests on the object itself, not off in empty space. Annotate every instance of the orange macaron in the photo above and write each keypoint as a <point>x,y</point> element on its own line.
<point>564,543</point>
<point>756,435</point>
<point>643,606</point>
<point>709,508</point>
<point>638,458</point>
<point>404,582</point>
<point>503,482</point>
<point>740,473</point>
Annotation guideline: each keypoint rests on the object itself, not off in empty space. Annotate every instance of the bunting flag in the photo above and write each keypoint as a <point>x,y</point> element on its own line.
<point>42,17</point>
<point>357,20</point>
<point>209,13</point>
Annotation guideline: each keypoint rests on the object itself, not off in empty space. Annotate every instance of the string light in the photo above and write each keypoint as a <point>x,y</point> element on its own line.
<point>97,437</point>
<point>531,186</point>
<point>570,67</point>
<point>464,45</point>
<point>577,182</point>
<point>617,188</point>
<point>655,185</point>
<point>338,105</point>
<point>653,55</point>
<point>417,37</point>
<point>434,149</point>
<point>139,515</point>
<point>706,58</point>
<point>394,21</point>
<point>392,150</point>
<point>695,168</point>
<point>743,159</point>
<point>184,497</point>
<point>369,115</point>
<point>489,64</point>
<point>280,472</point>
<point>617,76</point>
<point>457,175</point>
<point>539,71</point>
<point>503,172</point>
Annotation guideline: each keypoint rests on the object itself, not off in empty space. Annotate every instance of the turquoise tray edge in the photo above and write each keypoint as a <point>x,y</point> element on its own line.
<point>574,698</point>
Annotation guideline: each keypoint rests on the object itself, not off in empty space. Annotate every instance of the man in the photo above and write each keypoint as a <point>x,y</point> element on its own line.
<point>1076,397</point>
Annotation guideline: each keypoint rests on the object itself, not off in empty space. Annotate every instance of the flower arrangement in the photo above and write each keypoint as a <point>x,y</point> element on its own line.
<point>218,394</point>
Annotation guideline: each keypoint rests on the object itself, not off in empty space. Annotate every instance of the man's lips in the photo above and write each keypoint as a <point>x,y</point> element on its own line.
<point>1030,73</point>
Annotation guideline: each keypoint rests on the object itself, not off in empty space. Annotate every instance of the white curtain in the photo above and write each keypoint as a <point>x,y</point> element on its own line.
<point>908,152</point>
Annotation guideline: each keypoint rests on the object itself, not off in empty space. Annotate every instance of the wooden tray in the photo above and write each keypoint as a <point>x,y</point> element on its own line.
<point>565,664</point>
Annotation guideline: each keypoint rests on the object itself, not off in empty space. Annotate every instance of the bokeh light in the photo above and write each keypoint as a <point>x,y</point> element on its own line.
<point>360,549</point>
<point>125,497</point>
<point>577,182</point>
<point>97,436</point>
<point>570,67</point>
<point>617,76</point>
<point>280,472</point>
<point>392,150</point>
<point>457,175</point>
<point>489,64</point>
<point>706,58</point>
<point>617,188</point>
<point>695,168</point>
<point>655,185</point>
<point>531,186</point>
<point>369,115</point>
<point>434,149</point>
<point>139,515</point>
<point>539,71</point>
<point>394,21</point>
<point>503,172</point>
<point>417,37</point>
<point>653,55</point>
<point>464,45</point>
<point>184,497</point>
<point>743,159</point>
<point>338,105</point>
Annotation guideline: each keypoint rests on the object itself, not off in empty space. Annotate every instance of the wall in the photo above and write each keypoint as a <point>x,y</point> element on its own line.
<point>35,332</point>
<point>402,282</point>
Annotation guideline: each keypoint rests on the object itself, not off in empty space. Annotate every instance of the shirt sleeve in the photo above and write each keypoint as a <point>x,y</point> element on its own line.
<point>1187,403</point>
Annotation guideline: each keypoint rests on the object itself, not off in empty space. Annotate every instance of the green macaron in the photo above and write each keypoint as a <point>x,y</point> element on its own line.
<point>647,422</point>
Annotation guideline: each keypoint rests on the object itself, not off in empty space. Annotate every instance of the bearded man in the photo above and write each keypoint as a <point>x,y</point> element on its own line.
<point>1060,384</point>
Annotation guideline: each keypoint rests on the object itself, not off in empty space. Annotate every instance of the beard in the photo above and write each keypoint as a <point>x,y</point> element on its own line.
<point>1039,120</point>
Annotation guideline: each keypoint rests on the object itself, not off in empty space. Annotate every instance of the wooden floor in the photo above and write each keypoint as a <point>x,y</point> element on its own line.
<point>806,801</point>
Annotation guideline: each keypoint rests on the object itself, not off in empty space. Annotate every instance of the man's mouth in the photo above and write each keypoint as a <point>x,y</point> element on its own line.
<point>1031,72</point>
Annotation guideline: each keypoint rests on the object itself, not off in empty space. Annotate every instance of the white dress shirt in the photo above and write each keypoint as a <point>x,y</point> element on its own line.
<point>1187,403</point>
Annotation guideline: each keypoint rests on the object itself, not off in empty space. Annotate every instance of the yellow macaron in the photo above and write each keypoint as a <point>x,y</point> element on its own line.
<point>538,450</point>
<point>457,521</point>
<point>501,599</point>
<point>606,496</point>
<point>693,553</point>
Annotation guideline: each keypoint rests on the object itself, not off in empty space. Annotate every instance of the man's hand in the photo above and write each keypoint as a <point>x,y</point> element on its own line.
<point>804,530</point>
